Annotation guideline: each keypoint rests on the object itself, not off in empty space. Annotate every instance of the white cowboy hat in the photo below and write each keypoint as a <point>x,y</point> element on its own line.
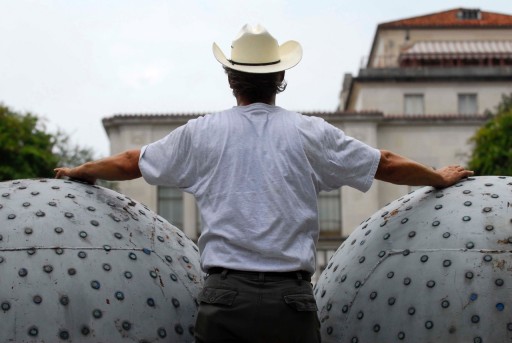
<point>254,50</point>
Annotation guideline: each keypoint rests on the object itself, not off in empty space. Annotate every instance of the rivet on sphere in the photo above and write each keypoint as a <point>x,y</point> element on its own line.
<point>85,330</point>
<point>429,325</point>
<point>22,272</point>
<point>162,333</point>
<point>97,313</point>
<point>179,329</point>
<point>33,331</point>
<point>5,306</point>
<point>64,300</point>
<point>37,299</point>
<point>175,302</point>
<point>126,325</point>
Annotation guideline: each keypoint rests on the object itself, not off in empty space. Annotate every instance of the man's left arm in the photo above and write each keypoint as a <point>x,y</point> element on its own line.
<point>123,166</point>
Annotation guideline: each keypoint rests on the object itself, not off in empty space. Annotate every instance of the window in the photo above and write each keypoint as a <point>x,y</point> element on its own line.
<point>170,205</point>
<point>468,104</point>
<point>414,104</point>
<point>329,212</point>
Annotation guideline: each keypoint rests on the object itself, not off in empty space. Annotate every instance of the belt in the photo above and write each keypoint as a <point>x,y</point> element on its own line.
<point>298,275</point>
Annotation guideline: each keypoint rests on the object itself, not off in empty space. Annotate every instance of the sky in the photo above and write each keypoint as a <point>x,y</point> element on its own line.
<point>74,63</point>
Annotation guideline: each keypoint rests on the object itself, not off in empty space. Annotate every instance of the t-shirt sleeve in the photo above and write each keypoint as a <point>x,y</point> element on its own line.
<point>169,161</point>
<point>337,159</point>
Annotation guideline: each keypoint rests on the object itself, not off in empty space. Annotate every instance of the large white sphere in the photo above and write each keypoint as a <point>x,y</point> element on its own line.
<point>432,266</point>
<point>82,263</point>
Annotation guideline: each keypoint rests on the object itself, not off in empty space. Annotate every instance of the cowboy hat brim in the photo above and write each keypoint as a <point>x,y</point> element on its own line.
<point>290,54</point>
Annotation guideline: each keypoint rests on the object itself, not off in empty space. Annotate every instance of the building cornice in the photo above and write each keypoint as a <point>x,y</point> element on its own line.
<point>336,117</point>
<point>449,74</point>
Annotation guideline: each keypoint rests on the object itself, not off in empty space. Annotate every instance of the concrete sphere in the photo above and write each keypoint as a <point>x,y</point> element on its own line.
<point>432,266</point>
<point>82,263</point>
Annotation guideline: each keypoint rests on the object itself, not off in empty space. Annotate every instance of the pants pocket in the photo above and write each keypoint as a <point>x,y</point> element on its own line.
<point>301,302</point>
<point>217,296</point>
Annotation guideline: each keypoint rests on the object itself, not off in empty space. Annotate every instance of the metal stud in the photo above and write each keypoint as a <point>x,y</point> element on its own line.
<point>97,313</point>
<point>162,333</point>
<point>126,325</point>
<point>64,300</point>
<point>37,299</point>
<point>150,302</point>
<point>22,272</point>
<point>33,331</point>
<point>5,306</point>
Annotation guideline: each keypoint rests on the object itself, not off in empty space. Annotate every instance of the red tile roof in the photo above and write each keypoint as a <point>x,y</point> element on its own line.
<point>452,18</point>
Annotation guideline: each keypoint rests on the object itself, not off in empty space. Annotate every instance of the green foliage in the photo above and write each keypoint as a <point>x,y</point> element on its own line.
<point>25,147</point>
<point>492,154</point>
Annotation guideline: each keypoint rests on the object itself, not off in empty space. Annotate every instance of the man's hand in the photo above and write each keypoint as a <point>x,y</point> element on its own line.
<point>73,173</point>
<point>452,174</point>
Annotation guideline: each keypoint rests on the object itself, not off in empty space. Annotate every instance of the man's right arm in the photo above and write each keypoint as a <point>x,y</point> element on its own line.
<point>399,170</point>
<point>123,166</point>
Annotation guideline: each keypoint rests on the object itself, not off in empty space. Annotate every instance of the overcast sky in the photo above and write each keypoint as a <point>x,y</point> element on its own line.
<point>76,62</point>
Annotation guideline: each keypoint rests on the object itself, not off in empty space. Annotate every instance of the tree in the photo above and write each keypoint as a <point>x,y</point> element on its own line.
<point>27,150</point>
<point>492,153</point>
<point>25,147</point>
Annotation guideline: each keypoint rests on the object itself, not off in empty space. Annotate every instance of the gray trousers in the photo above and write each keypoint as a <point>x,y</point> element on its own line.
<point>256,308</point>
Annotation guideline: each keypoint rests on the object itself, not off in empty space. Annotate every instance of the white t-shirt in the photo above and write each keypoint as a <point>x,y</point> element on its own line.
<point>255,172</point>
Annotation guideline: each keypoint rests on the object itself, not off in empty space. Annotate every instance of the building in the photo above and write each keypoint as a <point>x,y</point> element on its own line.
<point>422,92</point>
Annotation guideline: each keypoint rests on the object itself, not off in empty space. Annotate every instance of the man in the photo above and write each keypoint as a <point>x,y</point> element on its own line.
<point>256,170</point>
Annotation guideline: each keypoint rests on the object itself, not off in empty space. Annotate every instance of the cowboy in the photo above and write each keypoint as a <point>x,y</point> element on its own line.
<point>256,170</point>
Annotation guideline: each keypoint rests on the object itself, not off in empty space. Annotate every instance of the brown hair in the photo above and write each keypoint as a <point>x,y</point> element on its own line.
<point>255,87</point>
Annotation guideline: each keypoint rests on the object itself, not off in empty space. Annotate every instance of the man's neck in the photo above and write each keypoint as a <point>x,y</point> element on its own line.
<point>244,102</point>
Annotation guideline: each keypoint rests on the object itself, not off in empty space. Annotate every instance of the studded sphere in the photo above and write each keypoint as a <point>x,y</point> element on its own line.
<point>82,263</point>
<point>432,266</point>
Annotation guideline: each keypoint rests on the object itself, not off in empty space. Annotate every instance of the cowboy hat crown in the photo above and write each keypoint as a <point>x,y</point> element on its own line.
<point>254,50</point>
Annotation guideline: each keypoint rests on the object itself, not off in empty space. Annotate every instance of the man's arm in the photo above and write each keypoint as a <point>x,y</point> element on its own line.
<point>399,170</point>
<point>124,166</point>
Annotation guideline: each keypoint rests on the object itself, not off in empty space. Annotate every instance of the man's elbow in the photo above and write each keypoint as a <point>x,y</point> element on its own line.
<point>384,170</point>
<point>130,164</point>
